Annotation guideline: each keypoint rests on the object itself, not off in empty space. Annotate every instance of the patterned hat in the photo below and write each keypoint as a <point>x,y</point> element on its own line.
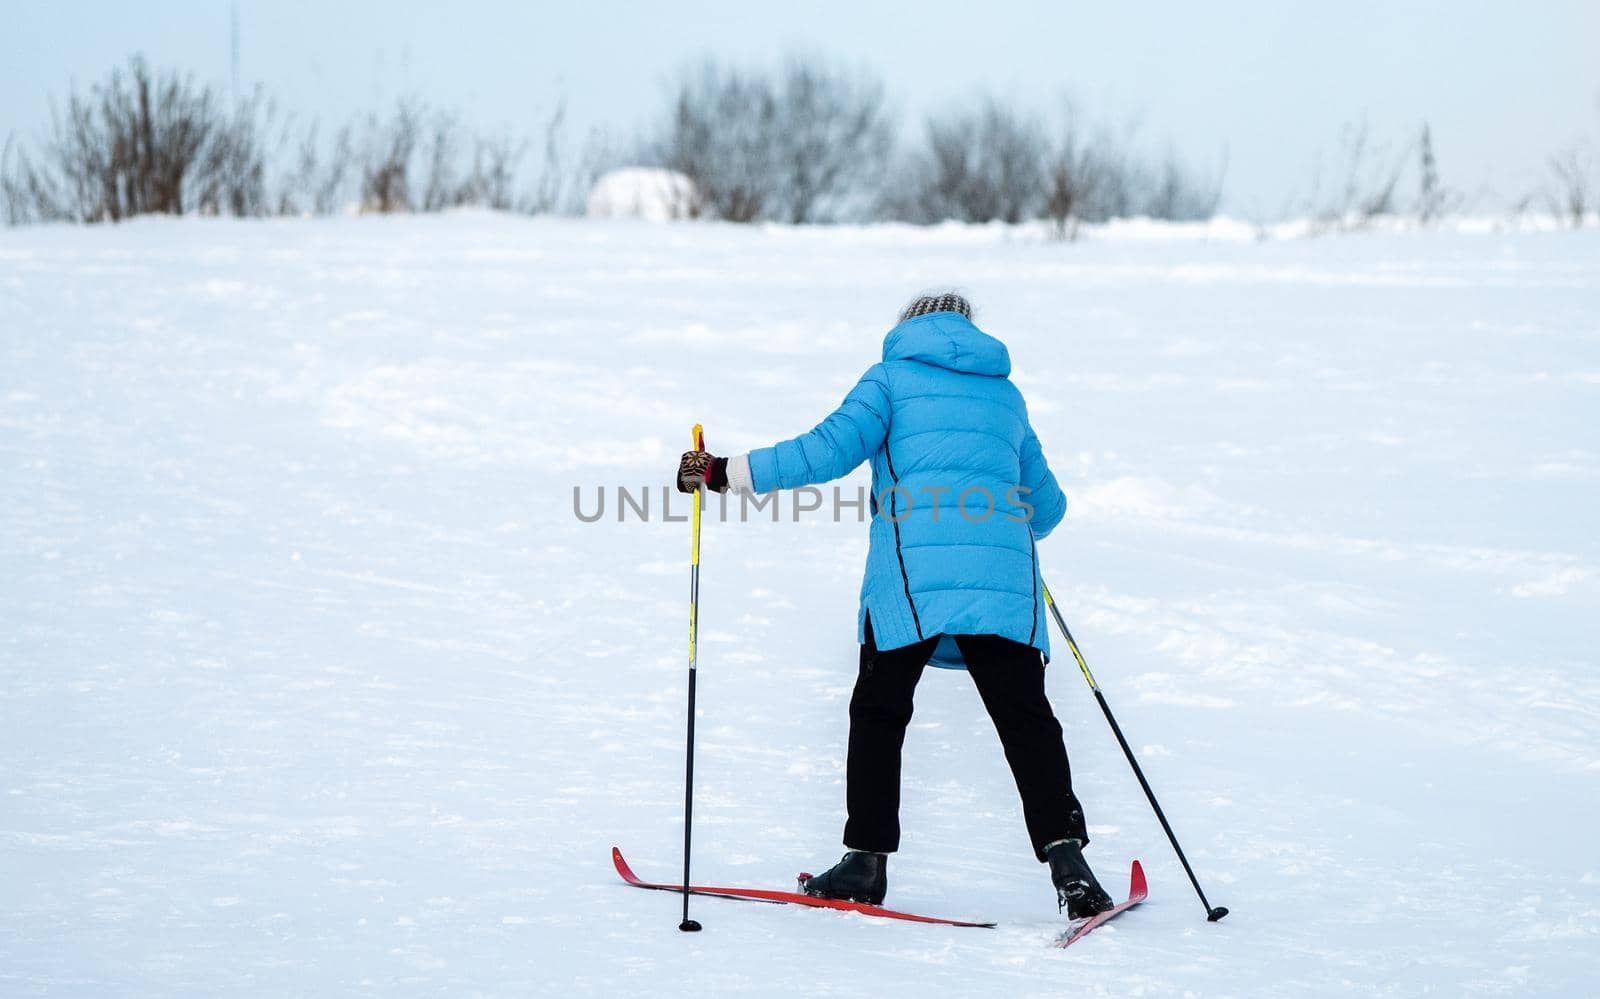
<point>946,302</point>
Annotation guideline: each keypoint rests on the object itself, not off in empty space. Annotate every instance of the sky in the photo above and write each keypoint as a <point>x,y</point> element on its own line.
<point>1260,90</point>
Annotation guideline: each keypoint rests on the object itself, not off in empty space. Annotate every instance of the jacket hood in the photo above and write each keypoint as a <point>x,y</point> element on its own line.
<point>947,340</point>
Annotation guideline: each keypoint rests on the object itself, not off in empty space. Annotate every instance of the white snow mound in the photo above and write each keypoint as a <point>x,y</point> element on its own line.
<point>648,193</point>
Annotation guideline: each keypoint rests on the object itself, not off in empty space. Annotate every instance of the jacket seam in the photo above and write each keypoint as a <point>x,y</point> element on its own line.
<point>953,589</point>
<point>969,400</point>
<point>965,430</point>
<point>952,468</point>
<point>905,578</point>
<point>1004,407</point>
<point>964,544</point>
<point>1033,551</point>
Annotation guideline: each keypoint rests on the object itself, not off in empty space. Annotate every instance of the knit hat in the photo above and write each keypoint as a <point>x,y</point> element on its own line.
<point>947,302</point>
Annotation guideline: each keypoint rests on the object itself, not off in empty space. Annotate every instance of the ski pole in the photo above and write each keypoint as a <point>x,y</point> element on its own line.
<point>1213,913</point>
<point>689,925</point>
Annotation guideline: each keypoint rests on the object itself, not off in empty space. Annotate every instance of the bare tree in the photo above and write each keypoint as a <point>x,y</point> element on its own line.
<point>980,165</point>
<point>806,144</point>
<point>143,142</point>
<point>832,136</point>
<point>720,136</point>
<point>1371,177</point>
<point>1431,195</point>
<point>494,171</point>
<point>12,191</point>
<point>155,142</point>
<point>316,183</point>
<point>1179,195</point>
<point>32,192</point>
<point>440,189</point>
<point>551,186</point>
<point>1092,177</point>
<point>1368,178</point>
<point>598,154</point>
<point>1076,177</point>
<point>232,175</point>
<point>386,160</point>
<point>1569,194</point>
<point>330,189</point>
<point>130,146</point>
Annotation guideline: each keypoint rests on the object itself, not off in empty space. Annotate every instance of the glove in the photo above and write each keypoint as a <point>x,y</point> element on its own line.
<point>700,468</point>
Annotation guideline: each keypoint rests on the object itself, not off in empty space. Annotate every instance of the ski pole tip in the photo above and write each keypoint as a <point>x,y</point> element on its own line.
<point>1216,914</point>
<point>693,926</point>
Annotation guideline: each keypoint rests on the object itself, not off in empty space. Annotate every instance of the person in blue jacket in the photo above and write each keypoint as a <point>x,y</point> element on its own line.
<point>961,496</point>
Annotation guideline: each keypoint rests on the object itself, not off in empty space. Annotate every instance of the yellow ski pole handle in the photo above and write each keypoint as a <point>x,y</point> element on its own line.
<point>699,436</point>
<point>699,445</point>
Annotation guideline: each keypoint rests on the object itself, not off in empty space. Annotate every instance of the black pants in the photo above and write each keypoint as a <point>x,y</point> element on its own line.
<point>1010,679</point>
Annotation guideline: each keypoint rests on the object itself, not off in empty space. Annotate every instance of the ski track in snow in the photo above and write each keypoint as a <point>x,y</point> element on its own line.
<point>311,681</point>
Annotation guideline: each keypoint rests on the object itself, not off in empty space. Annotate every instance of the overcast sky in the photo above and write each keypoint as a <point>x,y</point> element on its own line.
<point>1268,85</point>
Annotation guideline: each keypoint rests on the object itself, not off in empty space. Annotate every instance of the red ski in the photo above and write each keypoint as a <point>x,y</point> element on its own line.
<point>1138,891</point>
<point>783,898</point>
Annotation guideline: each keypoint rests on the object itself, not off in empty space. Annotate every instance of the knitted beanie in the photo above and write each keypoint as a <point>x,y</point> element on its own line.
<point>947,302</point>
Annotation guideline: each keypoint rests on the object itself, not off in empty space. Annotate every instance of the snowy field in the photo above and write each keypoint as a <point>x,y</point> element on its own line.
<point>312,683</point>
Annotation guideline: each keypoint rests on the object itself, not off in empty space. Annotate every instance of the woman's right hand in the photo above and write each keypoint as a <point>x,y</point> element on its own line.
<point>701,468</point>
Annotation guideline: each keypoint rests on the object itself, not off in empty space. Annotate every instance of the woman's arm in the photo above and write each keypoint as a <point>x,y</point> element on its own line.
<point>850,435</point>
<point>1043,493</point>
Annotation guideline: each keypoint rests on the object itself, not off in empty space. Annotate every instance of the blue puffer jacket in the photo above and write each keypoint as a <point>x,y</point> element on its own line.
<point>961,486</point>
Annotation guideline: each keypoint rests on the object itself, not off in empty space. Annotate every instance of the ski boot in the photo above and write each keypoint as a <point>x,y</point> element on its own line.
<point>1077,891</point>
<point>858,877</point>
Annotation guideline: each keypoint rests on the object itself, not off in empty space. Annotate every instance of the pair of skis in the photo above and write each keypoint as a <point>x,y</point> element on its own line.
<point>1138,891</point>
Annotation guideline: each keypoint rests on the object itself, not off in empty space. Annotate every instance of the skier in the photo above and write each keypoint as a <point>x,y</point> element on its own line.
<point>961,492</point>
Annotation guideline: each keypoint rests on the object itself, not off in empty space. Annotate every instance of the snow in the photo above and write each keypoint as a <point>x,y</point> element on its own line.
<point>648,193</point>
<point>312,682</point>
